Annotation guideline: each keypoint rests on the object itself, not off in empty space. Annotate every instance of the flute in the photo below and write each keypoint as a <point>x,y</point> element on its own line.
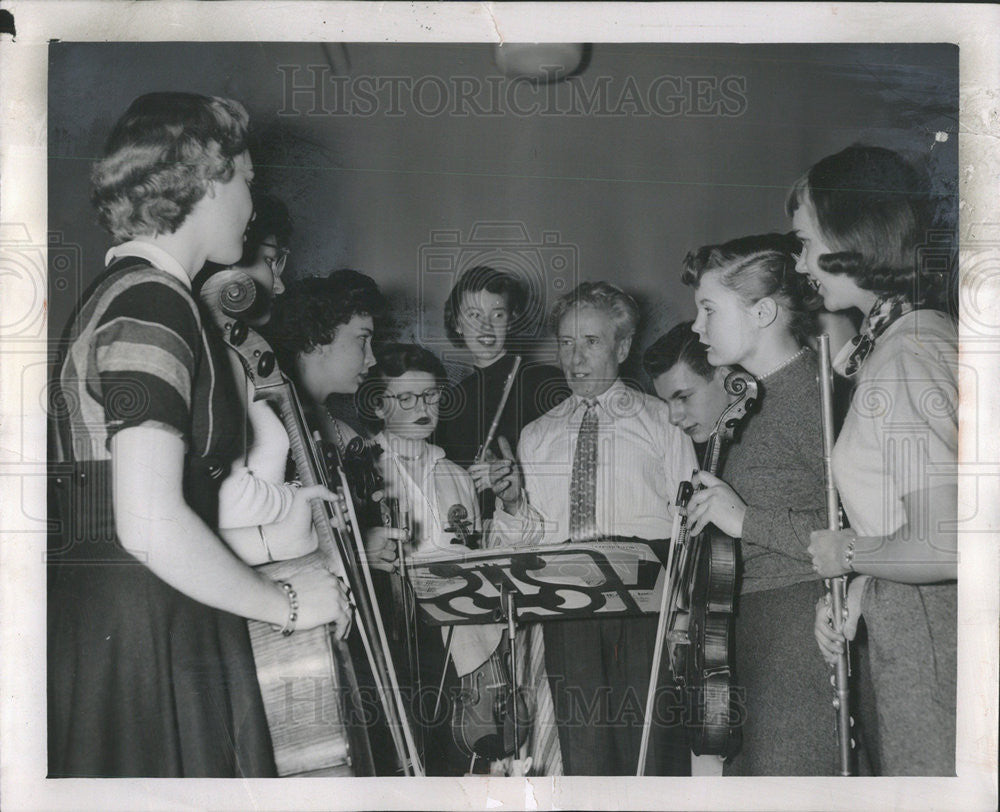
<point>508,385</point>
<point>837,587</point>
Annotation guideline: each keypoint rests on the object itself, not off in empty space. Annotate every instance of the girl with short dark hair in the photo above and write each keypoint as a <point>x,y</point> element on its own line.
<point>862,215</point>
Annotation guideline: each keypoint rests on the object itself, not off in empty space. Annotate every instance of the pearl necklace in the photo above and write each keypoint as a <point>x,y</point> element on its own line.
<point>410,459</point>
<point>790,360</point>
<point>407,458</point>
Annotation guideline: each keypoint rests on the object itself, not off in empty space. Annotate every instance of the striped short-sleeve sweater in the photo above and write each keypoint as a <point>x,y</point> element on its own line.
<point>139,356</point>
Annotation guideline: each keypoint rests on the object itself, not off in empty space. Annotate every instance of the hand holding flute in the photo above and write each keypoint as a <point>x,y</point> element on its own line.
<point>499,473</point>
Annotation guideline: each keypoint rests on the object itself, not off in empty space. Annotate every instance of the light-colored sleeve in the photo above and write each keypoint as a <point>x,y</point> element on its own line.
<point>246,500</point>
<point>522,529</point>
<point>255,493</point>
<point>532,525</point>
<point>268,456</point>
<point>919,430</point>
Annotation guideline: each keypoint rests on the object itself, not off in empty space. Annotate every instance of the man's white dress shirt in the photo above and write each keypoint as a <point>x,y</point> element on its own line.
<point>641,459</point>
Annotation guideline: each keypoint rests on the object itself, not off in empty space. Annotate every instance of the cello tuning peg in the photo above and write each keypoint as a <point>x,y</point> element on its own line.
<point>266,364</point>
<point>238,333</point>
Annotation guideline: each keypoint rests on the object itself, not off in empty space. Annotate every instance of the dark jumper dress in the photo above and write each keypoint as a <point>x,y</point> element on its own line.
<point>142,680</point>
<point>468,409</point>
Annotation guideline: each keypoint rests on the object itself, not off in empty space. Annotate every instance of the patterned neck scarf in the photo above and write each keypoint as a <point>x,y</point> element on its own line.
<point>884,312</point>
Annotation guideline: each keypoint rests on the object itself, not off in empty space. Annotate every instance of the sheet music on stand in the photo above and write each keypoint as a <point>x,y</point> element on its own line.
<point>614,577</point>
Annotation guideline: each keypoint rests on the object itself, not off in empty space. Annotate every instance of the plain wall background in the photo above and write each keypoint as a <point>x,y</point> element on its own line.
<point>411,198</point>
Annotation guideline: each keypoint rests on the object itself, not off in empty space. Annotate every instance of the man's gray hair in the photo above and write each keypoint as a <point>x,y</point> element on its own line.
<point>603,296</point>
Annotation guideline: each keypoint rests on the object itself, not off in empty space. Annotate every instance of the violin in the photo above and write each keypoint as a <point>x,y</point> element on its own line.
<point>708,578</point>
<point>360,461</point>
<point>483,719</point>
<point>697,605</point>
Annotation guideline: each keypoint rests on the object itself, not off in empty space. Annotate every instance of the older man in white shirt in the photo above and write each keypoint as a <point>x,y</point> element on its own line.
<point>606,462</point>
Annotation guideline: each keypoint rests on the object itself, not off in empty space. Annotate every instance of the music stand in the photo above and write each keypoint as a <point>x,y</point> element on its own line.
<point>601,579</point>
<point>617,577</point>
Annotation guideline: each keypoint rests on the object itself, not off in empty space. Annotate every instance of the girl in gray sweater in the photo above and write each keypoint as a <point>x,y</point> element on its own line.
<point>755,312</point>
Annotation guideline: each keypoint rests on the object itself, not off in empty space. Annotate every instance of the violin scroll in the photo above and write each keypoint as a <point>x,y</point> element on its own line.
<point>461,526</point>
<point>743,386</point>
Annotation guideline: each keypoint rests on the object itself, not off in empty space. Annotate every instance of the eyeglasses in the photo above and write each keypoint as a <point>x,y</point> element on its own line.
<point>407,400</point>
<point>275,264</point>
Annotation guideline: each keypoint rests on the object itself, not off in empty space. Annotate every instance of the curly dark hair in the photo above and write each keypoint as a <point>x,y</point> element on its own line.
<point>392,360</point>
<point>759,266</point>
<point>310,310</point>
<point>483,277</point>
<point>160,158</point>
<point>677,345</point>
<point>873,208</point>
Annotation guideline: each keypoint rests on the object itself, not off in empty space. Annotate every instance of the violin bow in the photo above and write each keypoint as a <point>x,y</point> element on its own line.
<point>382,641</point>
<point>668,598</point>
<point>394,515</point>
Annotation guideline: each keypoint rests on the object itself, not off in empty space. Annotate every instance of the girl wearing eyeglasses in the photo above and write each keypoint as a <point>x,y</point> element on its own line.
<point>403,395</point>
<point>266,251</point>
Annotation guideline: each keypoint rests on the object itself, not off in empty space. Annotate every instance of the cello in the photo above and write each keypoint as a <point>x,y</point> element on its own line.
<point>697,605</point>
<point>331,737</point>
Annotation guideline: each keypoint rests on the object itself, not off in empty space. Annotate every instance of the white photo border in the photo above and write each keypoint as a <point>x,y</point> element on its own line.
<point>23,204</point>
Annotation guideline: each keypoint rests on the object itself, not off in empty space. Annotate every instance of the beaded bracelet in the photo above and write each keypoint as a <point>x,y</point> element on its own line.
<point>293,609</point>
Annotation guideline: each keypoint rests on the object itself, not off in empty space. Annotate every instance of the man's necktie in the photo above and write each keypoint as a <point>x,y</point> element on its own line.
<point>583,482</point>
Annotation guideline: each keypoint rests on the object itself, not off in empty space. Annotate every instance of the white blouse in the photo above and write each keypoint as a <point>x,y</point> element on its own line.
<point>901,432</point>
<point>426,495</point>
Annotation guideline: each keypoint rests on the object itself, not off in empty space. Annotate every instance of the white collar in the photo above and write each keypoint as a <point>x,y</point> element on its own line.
<point>603,398</point>
<point>153,254</point>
